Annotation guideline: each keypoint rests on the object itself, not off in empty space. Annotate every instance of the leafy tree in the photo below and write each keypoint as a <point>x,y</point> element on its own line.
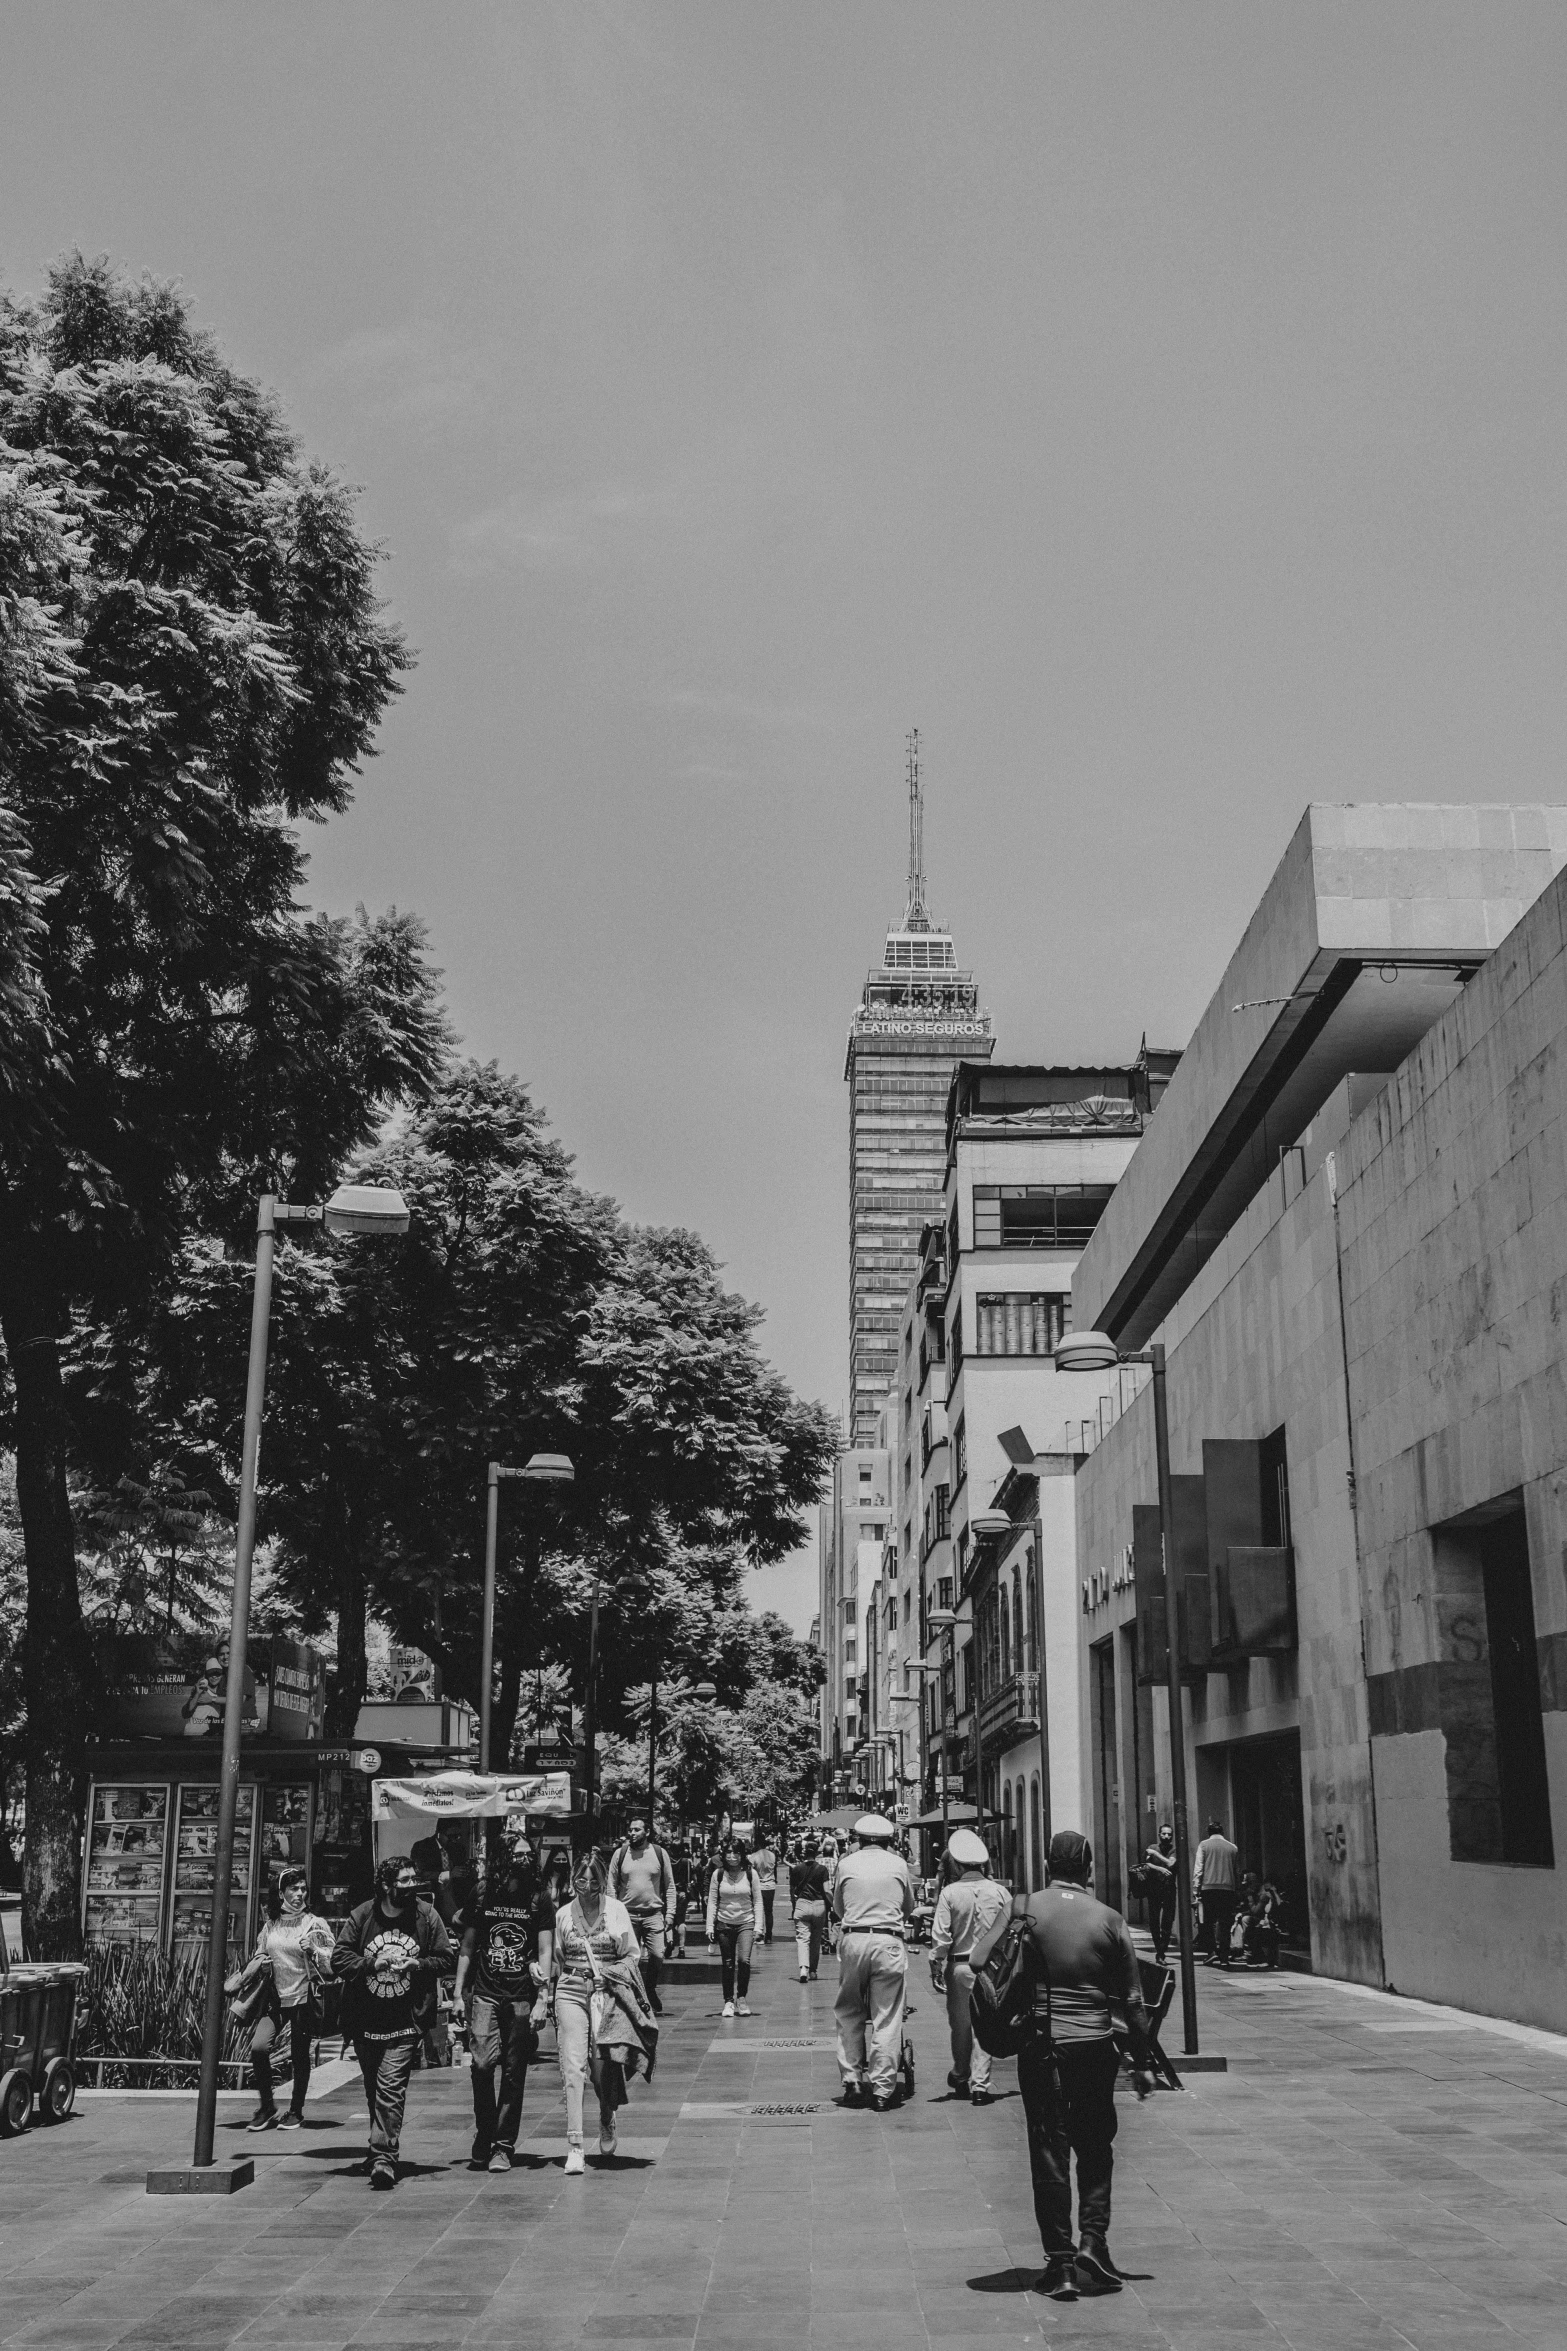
<point>192,661</point>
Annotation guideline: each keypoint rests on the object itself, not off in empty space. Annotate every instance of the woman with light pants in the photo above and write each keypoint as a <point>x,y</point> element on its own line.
<point>592,1932</point>
<point>734,1922</point>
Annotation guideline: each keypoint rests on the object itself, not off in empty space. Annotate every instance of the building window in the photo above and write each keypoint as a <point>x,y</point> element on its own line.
<point>956,1361</point>
<point>1005,1615</point>
<point>1037,1216</point>
<point>1036,1831</point>
<point>944,1591</point>
<point>959,1455</point>
<point>1488,1690</point>
<point>1021,1322</point>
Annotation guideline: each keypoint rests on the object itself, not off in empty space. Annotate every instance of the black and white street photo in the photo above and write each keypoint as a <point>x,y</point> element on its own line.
<point>783,1175</point>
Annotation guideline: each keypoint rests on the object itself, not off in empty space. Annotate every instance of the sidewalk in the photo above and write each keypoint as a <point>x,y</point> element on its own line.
<point>1366,2174</point>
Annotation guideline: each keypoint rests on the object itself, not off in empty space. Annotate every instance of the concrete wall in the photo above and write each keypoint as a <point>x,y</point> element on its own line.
<point>1453,1204</point>
<point>1257,1342</point>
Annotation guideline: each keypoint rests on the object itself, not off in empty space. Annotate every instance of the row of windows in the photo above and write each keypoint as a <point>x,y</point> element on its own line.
<point>1021,1322</point>
<point>1037,1216</point>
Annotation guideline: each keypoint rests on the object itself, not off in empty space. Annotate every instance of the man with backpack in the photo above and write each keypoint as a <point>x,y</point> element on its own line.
<point>642,1876</point>
<point>966,1910</point>
<point>1085,1967</point>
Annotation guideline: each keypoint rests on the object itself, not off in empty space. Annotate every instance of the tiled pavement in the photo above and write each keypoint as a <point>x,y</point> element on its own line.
<point>1367,2174</point>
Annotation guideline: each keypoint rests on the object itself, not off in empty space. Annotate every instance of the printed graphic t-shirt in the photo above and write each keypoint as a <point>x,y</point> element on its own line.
<point>389,1989</point>
<point>505,1944</point>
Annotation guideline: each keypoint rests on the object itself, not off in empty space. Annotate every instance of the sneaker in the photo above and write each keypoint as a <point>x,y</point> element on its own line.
<point>607,2137</point>
<point>575,2161</point>
<point>292,2121</point>
<point>813,1975</point>
<point>852,2094</point>
<point>1096,2272</point>
<point>979,2097</point>
<point>499,2160</point>
<point>881,2105</point>
<point>729,2008</point>
<point>742,2008</point>
<point>805,1975</point>
<point>383,2172</point>
<point>1059,2282</point>
<point>264,2119</point>
<point>655,2003</point>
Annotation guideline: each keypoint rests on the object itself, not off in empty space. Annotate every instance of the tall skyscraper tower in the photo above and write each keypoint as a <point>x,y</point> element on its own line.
<point>919,1016</point>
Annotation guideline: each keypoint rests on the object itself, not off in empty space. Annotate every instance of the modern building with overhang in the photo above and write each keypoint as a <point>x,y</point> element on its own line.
<point>1347,1222</point>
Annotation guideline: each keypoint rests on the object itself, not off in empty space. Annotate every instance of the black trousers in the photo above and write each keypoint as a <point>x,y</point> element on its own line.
<point>768,1893</point>
<point>1218,1912</point>
<point>1161,1914</point>
<point>304,2026</point>
<point>1070,2107</point>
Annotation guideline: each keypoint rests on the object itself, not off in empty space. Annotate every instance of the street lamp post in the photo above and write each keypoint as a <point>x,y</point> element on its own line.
<point>917,1665</point>
<point>551,1469</point>
<point>1096,1351</point>
<point>353,1208</point>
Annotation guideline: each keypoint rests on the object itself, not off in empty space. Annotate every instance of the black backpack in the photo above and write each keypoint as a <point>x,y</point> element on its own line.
<point>1003,2006</point>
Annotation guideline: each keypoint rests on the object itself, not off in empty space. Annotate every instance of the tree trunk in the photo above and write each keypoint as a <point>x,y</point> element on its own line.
<point>348,1689</point>
<point>59,1681</point>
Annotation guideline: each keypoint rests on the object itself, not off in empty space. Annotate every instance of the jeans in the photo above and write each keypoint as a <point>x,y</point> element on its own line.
<point>1218,1912</point>
<point>969,2060</point>
<point>1070,2109</point>
<point>871,1976</point>
<point>386,2066</point>
<point>577,2062</point>
<point>769,1894</point>
<point>650,1927</point>
<point>1161,1915</point>
<point>810,1924</point>
<point>735,1945</point>
<point>504,2041</point>
<point>304,2024</point>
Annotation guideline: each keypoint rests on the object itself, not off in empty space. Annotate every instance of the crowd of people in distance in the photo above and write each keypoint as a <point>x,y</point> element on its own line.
<point>584,1938</point>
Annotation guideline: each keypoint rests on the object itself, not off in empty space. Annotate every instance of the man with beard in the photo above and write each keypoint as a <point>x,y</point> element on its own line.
<point>390,1951</point>
<point>503,1967</point>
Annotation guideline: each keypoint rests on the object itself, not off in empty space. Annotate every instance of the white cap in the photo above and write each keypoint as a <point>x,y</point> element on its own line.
<point>967,1850</point>
<point>873,1827</point>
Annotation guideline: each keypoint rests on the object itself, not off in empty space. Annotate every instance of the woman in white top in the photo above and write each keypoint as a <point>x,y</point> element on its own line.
<point>294,1948</point>
<point>734,1921</point>
<point>593,1932</point>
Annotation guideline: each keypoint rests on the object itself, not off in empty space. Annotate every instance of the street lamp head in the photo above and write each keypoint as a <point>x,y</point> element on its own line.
<point>552,1469</point>
<point>941,1620</point>
<point>705,1690</point>
<point>1087,1351</point>
<point>366,1208</point>
<point>983,1524</point>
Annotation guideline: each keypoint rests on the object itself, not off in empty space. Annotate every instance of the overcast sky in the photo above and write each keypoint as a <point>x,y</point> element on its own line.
<point>1160,406</point>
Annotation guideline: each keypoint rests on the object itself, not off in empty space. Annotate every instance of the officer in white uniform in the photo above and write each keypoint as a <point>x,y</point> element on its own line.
<point>872,1896</point>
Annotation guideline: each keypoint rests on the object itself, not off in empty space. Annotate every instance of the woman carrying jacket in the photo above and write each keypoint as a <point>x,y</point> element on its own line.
<point>734,1921</point>
<point>594,1935</point>
<point>294,1950</point>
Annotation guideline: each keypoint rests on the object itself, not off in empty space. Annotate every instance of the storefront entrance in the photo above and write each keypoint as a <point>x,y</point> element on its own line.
<point>1269,1826</point>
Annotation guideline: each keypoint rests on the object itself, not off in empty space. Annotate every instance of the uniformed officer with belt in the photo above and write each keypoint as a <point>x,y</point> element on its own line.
<point>872,1896</point>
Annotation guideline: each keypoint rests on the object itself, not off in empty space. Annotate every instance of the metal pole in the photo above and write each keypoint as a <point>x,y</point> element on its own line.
<point>234,1696</point>
<point>590,1708</point>
<point>487,1665</point>
<point>948,1648</point>
<point>1183,1859</point>
<point>652,1759</point>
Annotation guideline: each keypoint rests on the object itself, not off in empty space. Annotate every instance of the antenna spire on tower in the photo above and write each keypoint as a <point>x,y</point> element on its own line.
<point>916,918</point>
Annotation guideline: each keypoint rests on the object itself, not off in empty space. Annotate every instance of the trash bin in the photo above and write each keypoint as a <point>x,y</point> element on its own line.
<point>37,2042</point>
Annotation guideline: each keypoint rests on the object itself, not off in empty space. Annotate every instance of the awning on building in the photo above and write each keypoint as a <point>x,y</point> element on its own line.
<point>956,1816</point>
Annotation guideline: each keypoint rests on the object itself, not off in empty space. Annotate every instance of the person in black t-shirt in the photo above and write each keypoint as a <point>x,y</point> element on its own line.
<point>503,1973</point>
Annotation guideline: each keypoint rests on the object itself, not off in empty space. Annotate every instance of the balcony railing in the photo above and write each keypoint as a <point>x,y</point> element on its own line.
<point>1012,1709</point>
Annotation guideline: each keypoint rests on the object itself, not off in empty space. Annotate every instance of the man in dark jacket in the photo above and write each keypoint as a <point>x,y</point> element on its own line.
<point>1159,1878</point>
<point>389,1951</point>
<point>1068,2076</point>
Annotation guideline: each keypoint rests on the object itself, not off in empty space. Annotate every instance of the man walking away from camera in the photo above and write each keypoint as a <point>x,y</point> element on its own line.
<point>969,1905</point>
<point>872,1896</point>
<point>1216,1880</point>
<point>1067,2076</point>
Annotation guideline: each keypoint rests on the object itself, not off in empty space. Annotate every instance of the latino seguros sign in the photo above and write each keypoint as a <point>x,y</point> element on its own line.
<point>873,1025</point>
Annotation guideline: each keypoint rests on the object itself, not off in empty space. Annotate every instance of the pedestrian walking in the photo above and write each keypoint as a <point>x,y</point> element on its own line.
<point>594,1936</point>
<point>1159,1879</point>
<point>391,1952</point>
<point>734,1922</point>
<point>764,1860</point>
<point>1216,1878</point>
<point>503,1975</point>
<point>966,1909</point>
<point>1067,2071</point>
<point>872,1896</point>
<point>293,1955</point>
<point>642,1876</point>
<point>808,1903</point>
